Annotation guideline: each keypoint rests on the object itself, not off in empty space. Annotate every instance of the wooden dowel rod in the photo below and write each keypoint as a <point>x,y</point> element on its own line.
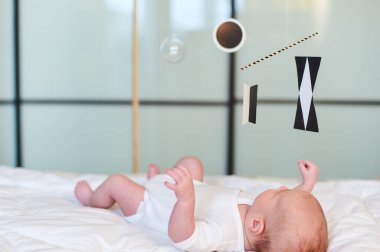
<point>135,91</point>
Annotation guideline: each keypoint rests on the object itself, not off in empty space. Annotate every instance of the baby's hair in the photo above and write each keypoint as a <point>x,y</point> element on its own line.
<point>316,245</point>
<point>320,243</point>
<point>263,244</point>
<point>275,236</point>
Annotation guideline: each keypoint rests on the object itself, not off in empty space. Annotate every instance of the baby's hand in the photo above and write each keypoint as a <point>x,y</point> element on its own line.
<point>184,187</point>
<point>309,172</point>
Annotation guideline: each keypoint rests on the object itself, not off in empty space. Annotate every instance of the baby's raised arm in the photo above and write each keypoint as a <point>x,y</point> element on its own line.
<point>181,222</point>
<point>309,172</point>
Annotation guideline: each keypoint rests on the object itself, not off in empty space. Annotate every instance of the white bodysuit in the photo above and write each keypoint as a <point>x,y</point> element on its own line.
<point>218,224</point>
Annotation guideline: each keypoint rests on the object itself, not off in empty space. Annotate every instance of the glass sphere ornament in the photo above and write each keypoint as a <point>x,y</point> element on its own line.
<point>173,49</point>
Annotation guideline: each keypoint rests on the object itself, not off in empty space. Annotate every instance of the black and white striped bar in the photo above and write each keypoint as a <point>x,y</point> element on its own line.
<point>249,104</point>
<point>278,51</point>
<point>307,70</point>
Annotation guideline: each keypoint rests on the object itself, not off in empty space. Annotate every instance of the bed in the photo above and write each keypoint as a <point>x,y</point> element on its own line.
<point>39,212</point>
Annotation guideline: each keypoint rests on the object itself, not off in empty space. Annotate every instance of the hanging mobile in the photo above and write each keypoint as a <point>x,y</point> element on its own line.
<point>229,35</point>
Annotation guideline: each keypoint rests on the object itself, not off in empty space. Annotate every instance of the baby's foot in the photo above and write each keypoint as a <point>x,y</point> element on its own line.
<point>153,170</point>
<point>83,192</point>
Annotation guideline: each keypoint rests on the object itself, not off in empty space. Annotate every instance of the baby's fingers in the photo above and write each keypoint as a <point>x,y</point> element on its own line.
<point>171,186</point>
<point>177,173</point>
<point>309,164</point>
<point>301,165</point>
<point>184,171</point>
<point>174,174</point>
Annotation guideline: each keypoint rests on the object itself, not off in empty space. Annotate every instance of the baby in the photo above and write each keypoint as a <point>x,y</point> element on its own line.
<point>202,217</point>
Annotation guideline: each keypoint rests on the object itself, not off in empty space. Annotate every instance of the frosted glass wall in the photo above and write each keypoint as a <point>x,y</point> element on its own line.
<point>346,93</point>
<point>76,86</point>
<point>346,147</point>
<point>348,47</point>
<point>76,49</point>
<point>77,138</point>
<point>7,155</point>
<point>6,50</point>
<point>196,76</point>
<point>171,132</point>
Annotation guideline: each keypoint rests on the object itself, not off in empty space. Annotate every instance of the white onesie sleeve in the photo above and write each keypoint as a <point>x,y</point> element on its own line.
<point>218,225</point>
<point>206,237</point>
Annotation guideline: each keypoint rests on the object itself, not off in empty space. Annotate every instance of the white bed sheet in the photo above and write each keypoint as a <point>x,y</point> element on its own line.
<point>38,212</point>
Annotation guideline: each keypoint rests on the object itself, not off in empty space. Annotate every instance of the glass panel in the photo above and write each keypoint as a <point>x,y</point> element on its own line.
<point>203,71</point>
<point>76,49</point>
<point>348,47</point>
<point>7,155</point>
<point>81,139</point>
<point>167,133</point>
<point>6,49</point>
<point>346,146</point>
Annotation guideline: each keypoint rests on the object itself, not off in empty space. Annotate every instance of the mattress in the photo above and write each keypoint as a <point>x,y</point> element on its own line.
<point>39,212</point>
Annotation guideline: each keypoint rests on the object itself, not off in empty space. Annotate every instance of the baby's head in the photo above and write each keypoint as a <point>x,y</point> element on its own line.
<point>286,220</point>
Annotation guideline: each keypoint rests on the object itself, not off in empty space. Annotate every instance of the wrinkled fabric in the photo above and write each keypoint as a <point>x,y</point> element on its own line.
<point>39,212</point>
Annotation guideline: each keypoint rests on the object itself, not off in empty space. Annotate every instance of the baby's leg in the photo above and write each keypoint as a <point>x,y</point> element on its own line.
<point>194,165</point>
<point>116,188</point>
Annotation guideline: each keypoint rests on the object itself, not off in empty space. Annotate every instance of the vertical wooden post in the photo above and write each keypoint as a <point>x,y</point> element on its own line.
<point>135,91</point>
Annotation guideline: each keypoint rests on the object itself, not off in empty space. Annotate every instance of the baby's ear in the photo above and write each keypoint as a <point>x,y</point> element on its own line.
<point>257,225</point>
